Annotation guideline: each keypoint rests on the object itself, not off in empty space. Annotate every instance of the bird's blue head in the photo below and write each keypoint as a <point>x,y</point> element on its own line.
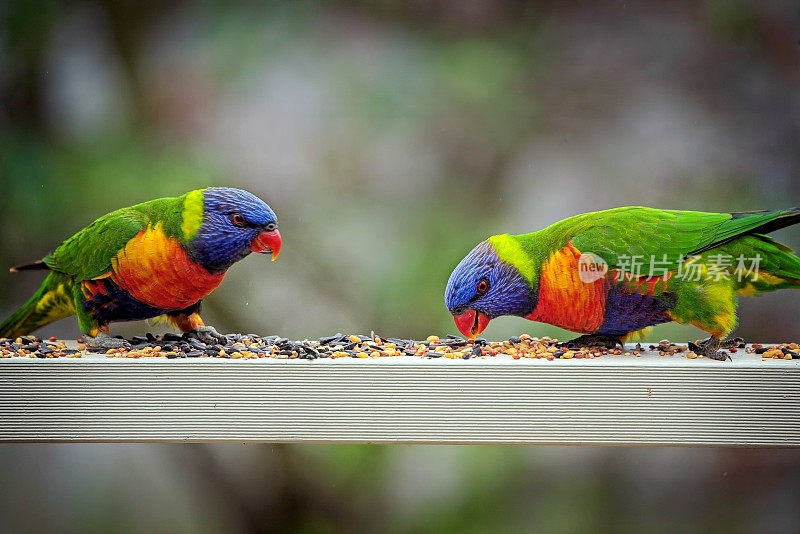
<point>484,286</point>
<point>222,225</point>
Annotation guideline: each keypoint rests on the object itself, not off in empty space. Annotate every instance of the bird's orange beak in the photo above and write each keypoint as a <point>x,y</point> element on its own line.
<point>471,323</point>
<point>267,242</point>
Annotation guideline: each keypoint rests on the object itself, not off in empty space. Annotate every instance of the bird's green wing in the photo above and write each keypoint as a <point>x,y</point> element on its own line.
<point>88,253</point>
<point>619,234</point>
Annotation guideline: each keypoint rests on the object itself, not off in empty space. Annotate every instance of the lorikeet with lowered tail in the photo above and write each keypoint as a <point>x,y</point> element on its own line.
<point>611,273</point>
<point>158,258</point>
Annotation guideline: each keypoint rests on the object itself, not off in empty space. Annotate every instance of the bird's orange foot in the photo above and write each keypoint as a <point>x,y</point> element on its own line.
<point>594,340</point>
<point>208,334</point>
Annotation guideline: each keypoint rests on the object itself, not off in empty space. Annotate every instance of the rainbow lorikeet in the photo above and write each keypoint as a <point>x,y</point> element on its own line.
<point>158,258</point>
<point>612,273</point>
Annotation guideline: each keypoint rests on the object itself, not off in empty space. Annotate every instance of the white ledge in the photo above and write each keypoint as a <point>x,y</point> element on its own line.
<point>611,400</point>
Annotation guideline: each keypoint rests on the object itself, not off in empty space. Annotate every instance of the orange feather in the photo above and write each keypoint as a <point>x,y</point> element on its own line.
<point>156,270</point>
<point>564,299</point>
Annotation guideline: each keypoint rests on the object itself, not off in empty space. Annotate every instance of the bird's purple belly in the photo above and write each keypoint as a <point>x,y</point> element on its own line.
<point>106,302</point>
<point>628,312</point>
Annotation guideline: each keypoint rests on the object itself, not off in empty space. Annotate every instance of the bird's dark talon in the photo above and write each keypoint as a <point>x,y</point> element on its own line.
<point>105,341</point>
<point>735,342</point>
<point>594,340</point>
<point>708,348</point>
<point>208,334</point>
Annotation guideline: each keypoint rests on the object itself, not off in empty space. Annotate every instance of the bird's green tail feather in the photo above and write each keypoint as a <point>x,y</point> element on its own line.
<point>52,301</point>
<point>759,262</point>
<point>766,264</point>
<point>749,223</point>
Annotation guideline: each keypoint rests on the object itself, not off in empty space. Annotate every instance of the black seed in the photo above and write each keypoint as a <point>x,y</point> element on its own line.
<point>409,353</point>
<point>434,355</point>
<point>558,353</point>
<point>465,357</point>
<point>171,355</point>
<point>791,353</point>
<point>138,340</point>
<point>762,350</point>
<point>171,336</point>
<point>476,351</point>
<point>515,339</point>
<point>151,338</point>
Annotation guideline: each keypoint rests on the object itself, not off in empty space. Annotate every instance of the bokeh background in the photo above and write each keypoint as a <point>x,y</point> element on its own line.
<point>390,137</point>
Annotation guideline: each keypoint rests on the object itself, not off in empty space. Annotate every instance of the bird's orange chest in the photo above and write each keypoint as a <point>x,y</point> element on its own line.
<point>156,270</point>
<point>565,300</point>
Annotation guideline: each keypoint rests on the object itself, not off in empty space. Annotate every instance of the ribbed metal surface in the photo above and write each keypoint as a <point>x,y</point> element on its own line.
<point>622,401</point>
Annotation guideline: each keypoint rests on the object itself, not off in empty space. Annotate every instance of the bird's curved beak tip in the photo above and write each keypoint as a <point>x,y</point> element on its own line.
<point>266,242</point>
<point>471,322</point>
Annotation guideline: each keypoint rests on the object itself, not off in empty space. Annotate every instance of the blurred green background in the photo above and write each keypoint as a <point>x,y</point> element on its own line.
<point>390,137</point>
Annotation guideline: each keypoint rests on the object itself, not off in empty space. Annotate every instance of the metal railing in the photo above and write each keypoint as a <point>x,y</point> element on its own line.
<point>611,400</point>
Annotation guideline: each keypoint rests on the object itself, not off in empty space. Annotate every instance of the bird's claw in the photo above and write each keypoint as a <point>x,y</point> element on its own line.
<point>208,334</point>
<point>735,342</point>
<point>594,340</point>
<point>709,348</point>
<point>105,341</point>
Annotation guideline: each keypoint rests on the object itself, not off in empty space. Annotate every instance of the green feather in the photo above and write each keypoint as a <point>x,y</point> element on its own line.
<point>52,301</point>
<point>88,253</point>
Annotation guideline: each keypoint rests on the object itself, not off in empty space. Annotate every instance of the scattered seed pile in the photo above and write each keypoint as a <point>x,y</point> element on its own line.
<point>251,346</point>
<point>34,347</point>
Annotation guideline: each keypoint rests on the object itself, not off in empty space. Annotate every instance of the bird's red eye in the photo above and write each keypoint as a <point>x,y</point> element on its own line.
<point>482,286</point>
<point>237,219</point>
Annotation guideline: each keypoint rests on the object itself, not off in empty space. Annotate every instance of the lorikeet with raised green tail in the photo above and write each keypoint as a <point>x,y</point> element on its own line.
<point>158,258</point>
<point>611,273</point>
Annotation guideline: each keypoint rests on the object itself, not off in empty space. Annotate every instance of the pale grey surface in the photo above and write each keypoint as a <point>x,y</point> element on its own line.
<point>649,400</point>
